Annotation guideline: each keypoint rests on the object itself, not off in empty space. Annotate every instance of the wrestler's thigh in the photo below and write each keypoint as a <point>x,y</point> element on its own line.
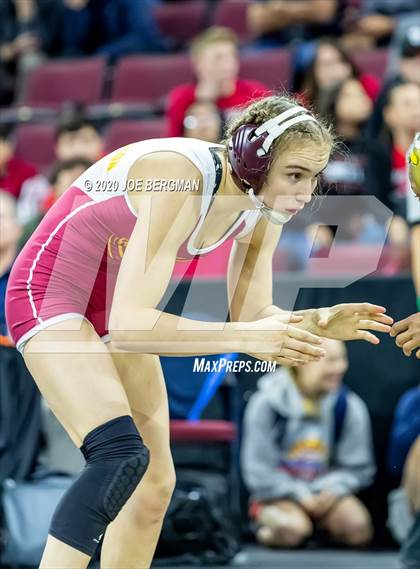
<point>80,383</point>
<point>142,378</point>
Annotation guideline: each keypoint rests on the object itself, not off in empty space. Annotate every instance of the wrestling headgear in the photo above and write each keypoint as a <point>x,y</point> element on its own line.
<point>249,152</point>
<point>414,164</point>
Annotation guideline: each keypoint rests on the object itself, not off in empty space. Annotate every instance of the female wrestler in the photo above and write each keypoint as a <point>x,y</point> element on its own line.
<point>72,286</point>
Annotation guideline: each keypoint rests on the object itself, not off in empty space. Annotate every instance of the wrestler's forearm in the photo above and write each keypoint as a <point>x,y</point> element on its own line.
<point>160,333</point>
<point>308,322</point>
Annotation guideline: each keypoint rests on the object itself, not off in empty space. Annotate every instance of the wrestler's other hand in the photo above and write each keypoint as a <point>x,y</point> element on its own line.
<point>352,321</point>
<point>407,334</point>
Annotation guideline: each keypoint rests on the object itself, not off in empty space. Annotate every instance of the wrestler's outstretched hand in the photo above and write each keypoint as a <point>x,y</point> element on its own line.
<point>277,339</point>
<point>352,321</point>
<point>407,334</point>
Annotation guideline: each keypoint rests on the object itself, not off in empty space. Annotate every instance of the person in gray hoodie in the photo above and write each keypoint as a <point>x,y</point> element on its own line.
<point>306,452</point>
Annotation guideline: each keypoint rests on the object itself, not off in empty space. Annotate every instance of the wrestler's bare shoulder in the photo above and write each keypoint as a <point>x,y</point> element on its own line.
<point>165,175</point>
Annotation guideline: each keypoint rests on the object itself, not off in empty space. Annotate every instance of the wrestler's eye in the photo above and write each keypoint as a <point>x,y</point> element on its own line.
<point>295,177</point>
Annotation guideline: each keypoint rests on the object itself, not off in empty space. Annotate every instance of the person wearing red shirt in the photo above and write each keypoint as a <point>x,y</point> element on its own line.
<point>214,55</point>
<point>13,171</point>
<point>20,179</point>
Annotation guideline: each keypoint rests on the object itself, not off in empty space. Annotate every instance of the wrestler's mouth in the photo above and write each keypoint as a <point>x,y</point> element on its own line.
<point>294,211</point>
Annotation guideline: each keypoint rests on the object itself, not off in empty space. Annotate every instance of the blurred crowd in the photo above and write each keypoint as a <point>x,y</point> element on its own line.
<point>375,115</point>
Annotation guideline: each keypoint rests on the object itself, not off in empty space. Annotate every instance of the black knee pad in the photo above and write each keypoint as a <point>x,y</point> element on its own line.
<point>116,461</point>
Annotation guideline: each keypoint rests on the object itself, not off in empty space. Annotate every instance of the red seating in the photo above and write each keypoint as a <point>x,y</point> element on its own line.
<point>203,431</point>
<point>233,14</point>
<point>272,67</point>
<point>54,82</point>
<point>373,62</point>
<point>183,20</point>
<point>122,132</point>
<point>347,259</point>
<point>146,79</point>
<point>35,143</point>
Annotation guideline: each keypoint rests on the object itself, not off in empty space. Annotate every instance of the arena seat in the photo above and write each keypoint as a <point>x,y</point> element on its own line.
<point>54,82</point>
<point>373,61</point>
<point>272,67</point>
<point>204,414</point>
<point>148,79</point>
<point>220,431</point>
<point>232,14</point>
<point>172,19</point>
<point>35,144</point>
<point>347,259</point>
<point>122,132</point>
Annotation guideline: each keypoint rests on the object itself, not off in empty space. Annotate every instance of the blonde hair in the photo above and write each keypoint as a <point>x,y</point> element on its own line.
<point>264,109</point>
<point>210,36</point>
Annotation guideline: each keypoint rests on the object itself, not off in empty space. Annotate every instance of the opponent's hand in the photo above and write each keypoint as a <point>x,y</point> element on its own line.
<point>284,343</point>
<point>352,321</point>
<point>407,334</point>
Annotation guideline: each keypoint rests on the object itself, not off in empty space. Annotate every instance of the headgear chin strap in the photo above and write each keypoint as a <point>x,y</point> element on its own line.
<point>274,216</point>
<point>249,152</point>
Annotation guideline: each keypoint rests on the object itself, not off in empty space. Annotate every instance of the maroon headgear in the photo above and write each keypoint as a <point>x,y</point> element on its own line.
<point>249,149</point>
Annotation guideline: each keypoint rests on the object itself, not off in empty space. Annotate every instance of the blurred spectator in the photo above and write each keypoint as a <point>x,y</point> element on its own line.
<point>215,59</point>
<point>306,451</point>
<point>204,121</point>
<point>401,116</point>
<point>405,430</point>
<point>407,70</point>
<point>20,179</point>
<point>22,33</point>
<point>62,177</point>
<point>279,22</point>
<point>103,27</point>
<point>357,170</point>
<point>9,237</point>
<point>77,137</point>
<point>323,65</point>
<point>404,462</point>
<point>377,20</point>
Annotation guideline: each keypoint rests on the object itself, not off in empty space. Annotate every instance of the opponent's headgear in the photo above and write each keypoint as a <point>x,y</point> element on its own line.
<point>414,164</point>
<point>249,152</point>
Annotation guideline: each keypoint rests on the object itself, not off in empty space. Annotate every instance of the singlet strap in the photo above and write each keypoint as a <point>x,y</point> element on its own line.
<point>251,219</point>
<point>206,202</point>
<point>218,170</point>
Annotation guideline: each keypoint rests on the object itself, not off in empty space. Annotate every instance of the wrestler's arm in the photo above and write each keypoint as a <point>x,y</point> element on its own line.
<point>250,273</point>
<point>250,290</point>
<point>250,293</point>
<point>165,220</point>
<point>407,331</point>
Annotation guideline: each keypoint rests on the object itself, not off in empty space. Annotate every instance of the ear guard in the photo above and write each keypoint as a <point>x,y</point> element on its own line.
<point>249,152</point>
<point>249,149</point>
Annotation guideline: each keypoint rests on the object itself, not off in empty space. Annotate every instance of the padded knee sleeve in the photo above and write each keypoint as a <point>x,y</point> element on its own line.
<point>116,460</point>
